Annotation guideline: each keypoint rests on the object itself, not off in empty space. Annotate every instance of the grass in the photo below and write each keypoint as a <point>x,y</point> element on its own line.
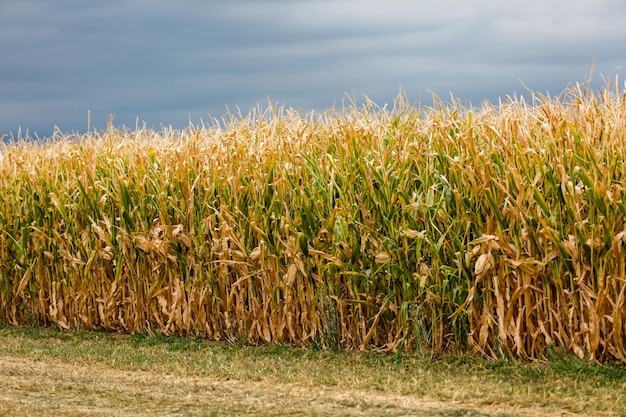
<point>92,372</point>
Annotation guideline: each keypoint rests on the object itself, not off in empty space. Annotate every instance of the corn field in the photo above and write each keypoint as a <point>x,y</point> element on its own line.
<point>497,230</point>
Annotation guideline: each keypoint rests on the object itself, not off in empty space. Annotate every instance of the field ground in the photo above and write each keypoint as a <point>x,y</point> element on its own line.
<point>47,372</point>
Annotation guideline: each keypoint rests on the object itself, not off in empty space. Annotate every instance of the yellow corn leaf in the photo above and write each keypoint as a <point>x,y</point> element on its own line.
<point>483,265</point>
<point>382,257</point>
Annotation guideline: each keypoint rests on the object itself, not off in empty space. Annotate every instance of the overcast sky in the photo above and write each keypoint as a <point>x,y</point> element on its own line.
<point>168,62</point>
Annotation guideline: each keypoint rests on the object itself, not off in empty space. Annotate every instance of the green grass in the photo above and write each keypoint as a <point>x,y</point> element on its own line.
<point>562,384</point>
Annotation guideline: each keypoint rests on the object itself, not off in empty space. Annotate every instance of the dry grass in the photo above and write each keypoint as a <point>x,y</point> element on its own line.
<point>498,230</point>
<point>75,374</point>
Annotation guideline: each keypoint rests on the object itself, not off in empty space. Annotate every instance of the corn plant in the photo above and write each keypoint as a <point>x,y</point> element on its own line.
<point>496,230</point>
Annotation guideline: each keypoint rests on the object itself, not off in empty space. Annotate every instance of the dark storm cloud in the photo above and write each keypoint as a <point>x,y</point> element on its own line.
<point>168,62</point>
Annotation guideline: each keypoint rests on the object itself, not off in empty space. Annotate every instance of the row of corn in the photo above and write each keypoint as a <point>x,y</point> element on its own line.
<point>497,230</point>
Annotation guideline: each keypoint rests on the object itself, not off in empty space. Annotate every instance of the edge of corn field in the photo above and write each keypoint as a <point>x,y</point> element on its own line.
<point>497,230</point>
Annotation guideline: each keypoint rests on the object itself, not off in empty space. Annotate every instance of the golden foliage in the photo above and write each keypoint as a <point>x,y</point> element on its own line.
<point>499,229</point>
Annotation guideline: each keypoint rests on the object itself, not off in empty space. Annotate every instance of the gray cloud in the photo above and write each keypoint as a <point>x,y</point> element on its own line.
<point>168,62</point>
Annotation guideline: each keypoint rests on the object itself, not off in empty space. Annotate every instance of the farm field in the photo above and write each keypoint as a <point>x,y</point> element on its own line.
<point>60,373</point>
<point>497,231</point>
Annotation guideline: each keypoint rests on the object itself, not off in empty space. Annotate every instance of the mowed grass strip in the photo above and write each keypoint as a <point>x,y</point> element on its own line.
<point>497,230</point>
<point>49,372</point>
